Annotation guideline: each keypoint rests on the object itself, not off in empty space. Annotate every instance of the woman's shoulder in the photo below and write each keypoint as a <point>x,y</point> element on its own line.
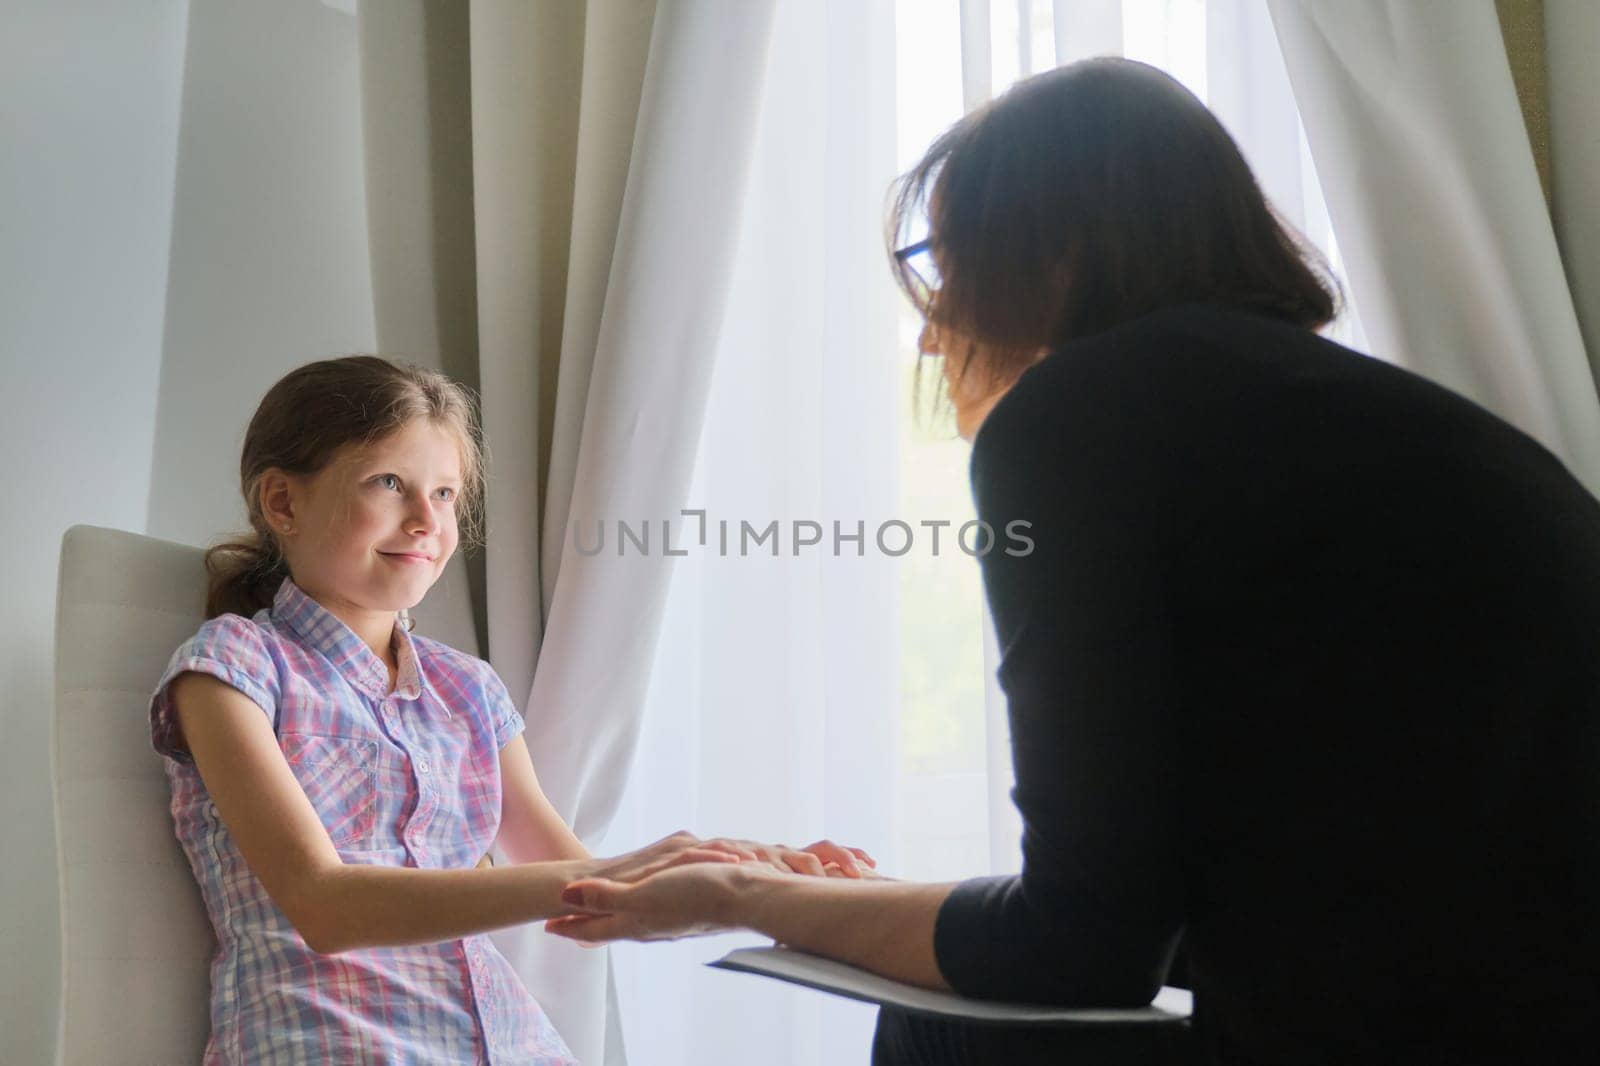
<point>1119,403</point>
<point>1154,369</point>
<point>1166,336</point>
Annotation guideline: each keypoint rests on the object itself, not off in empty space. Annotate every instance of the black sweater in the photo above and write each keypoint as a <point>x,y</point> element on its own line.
<point>1304,666</point>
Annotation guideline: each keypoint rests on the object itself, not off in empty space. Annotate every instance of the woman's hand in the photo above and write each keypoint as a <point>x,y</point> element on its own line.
<point>882,926</point>
<point>676,850</point>
<point>687,900</point>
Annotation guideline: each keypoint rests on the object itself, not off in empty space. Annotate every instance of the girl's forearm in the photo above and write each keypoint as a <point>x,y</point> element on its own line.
<point>356,906</point>
<point>882,926</point>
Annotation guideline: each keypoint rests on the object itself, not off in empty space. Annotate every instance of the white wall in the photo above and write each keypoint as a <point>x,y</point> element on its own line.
<point>89,103</point>
<point>135,340</point>
<point>270,262</point>
<point>270,267</point>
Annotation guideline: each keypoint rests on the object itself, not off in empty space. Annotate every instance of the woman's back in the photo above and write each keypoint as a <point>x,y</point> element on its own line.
<point>1329,630</point>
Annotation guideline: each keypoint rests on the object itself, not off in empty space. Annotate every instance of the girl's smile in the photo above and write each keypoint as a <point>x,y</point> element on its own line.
<point>370,533</point>
<point>407,557</point>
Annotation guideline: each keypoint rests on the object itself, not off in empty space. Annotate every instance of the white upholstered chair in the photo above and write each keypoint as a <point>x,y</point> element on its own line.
<point>135,941</point>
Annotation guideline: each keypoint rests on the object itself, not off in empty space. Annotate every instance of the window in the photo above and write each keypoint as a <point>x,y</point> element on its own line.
<point>954,768</point>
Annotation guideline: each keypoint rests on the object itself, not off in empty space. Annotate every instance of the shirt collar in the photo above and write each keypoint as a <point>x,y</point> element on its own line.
<point>323,631</point>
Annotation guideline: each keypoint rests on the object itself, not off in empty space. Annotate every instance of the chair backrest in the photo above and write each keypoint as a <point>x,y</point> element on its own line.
<point>135,940</point>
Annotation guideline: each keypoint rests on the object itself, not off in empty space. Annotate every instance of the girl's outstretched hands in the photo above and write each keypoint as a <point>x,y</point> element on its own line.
<point>676,850</point>
<point>822,859</point>
<point>695,896</point>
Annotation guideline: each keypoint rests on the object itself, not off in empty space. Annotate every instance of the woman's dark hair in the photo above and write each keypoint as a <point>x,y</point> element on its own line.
<point>1087,196</point>
<point>307,417</point>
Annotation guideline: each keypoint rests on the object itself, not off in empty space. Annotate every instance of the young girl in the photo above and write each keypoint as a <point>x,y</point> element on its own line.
<point>336,778</point>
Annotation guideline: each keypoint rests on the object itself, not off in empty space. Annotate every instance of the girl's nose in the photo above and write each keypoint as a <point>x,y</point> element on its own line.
<point>420,519</point>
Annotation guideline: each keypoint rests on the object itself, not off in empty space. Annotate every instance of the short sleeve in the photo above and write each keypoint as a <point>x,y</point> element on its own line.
<point>503,713</point>
<point>231,649</point>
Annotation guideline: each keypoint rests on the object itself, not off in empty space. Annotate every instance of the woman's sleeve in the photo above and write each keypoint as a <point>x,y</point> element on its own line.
<point>230,648</point>
<point>1082,617</point>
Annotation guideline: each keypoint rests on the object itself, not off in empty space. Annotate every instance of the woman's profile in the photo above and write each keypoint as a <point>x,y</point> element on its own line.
<point>1300,670</point>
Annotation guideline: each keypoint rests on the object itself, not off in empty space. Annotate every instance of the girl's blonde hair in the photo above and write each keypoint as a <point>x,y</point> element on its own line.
<point>303,420</point>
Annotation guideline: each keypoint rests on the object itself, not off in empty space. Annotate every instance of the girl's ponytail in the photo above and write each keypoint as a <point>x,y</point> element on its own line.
<point>243,575</point>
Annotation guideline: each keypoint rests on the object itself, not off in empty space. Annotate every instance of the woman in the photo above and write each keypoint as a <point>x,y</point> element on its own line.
<point>1300,667</point>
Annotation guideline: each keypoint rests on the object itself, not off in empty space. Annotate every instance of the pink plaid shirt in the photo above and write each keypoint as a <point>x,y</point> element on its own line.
<point>408,778</point>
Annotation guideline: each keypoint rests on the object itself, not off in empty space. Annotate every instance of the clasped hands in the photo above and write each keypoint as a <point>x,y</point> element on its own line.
<point>684,886</point>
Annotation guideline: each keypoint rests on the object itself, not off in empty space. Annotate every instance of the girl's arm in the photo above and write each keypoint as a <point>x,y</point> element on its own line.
<point>530,828</point>
<point>336,907</point>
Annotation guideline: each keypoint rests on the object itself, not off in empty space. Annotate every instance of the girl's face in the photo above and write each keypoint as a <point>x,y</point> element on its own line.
<point>373,530</point>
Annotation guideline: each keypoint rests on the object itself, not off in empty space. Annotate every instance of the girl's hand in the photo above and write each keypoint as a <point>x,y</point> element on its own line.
<point>676,850</point>
<point>822,859</point>
<point>688,900</point>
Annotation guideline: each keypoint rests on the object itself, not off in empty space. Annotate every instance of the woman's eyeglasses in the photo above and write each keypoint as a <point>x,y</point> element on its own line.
<point>918,261</point>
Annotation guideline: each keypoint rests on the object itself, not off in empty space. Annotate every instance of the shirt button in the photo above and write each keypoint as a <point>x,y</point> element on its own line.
<point>422,766</point>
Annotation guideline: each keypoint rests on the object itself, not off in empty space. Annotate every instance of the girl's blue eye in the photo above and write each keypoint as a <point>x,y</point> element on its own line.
<point>448,494</point>
<point>389,481</point>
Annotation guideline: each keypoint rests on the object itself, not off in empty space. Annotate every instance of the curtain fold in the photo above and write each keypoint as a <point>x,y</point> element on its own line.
<point>1571,29</point>
<point>606,174</point>
<point>1414,123</point>
<point>641,403</point>
<point>772,704</point>
<point>527,67</point>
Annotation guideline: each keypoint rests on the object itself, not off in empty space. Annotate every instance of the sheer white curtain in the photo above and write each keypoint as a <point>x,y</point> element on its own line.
<point>826,694</point>
<point>771,708</point>
<point>1414,119</point>
<point>820,692</point>
<point>581,239</point>
<point>762,720</point>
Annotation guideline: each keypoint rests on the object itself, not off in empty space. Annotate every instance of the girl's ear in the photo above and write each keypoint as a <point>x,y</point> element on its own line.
<point>277,501</point>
